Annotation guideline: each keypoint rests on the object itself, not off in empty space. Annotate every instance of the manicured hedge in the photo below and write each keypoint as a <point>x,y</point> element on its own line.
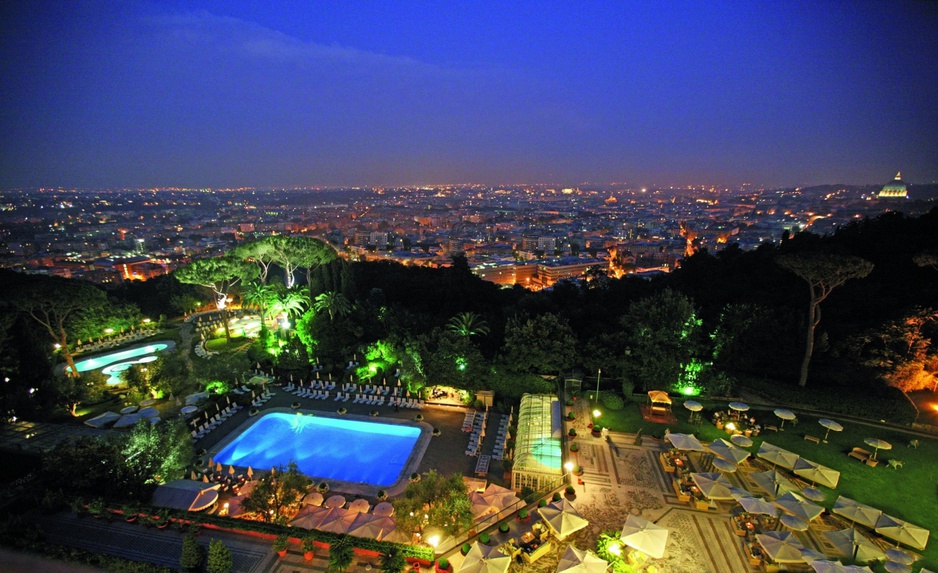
<point>612,401</point>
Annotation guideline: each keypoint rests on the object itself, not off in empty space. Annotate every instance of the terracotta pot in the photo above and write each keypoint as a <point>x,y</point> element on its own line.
<point>308,555</point>
<point>282,553</point>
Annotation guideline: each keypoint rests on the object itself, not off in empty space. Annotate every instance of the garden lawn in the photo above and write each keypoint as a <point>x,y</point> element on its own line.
<point>908,493</point>
<point>221,345</point>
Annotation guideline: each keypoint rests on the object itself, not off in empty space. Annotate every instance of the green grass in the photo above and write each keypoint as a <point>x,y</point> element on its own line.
<point>909,493</point>
<point>222,345</point>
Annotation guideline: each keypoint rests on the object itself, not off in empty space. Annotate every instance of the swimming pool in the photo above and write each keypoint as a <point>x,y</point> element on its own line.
<point>333,449</point>
<point>113,363</point>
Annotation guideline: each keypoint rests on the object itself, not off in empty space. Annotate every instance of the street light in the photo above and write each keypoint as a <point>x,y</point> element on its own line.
<point>599,373</point>
<point>569,467</point>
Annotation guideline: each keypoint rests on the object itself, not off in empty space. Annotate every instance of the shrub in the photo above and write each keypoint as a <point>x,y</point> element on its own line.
<point>382,495</point>
<point>308,544</point>
<point>436,432</point>
<point>323,487</point>
<point>465,549</point>
<point>503,527</point>
<point>575,447</point>
<point>577,470</point>
<point>572,432</point>
<point>542,503</point>
<point>281,542</point>
<point>192,553</point>
<point>219,557</point>
<point>484,539</point>
<point>569,490</point>
<point>612,401</point>
<point>414,477</point>
<point>523,513</point>
<point>571,416</point>
<point>556,496</point>
<point>443,563</point>
<point>96,506</point>
<point>418,418</point>
<point>569,402</point>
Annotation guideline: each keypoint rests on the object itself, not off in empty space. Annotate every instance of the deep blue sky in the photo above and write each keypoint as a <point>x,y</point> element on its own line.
<point>307,93</point>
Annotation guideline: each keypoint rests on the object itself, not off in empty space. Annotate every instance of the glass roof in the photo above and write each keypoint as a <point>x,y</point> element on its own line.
<point>537,447</point>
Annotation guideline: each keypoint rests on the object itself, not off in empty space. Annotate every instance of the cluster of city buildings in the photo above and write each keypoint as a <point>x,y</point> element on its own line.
<point>532,236</point>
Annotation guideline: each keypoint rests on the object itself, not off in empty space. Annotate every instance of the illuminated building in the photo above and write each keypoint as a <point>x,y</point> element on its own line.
<point>895,189</point>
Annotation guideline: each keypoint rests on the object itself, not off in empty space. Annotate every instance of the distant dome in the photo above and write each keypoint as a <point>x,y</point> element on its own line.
<point>895,189</point>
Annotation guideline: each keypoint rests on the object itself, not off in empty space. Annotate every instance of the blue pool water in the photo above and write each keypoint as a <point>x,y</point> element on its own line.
<point>324,448</point>
<point>114,363</point>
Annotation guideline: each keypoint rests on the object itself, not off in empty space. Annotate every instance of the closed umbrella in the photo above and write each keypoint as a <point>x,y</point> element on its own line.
<point>829,425</point>
<point>645,536</point>
<point>877,444</point>
<point>250,472</point>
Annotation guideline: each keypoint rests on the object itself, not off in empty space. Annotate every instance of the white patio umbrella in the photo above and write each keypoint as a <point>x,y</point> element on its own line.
<point>896,567</point>
<point>826,566</point>
<point>757,506</point>
<point>693,405</point>
<point>645,536</point>
<point>578,561</point>
<point>310,517</point>
<point>739,406</point>
<point>562,523</point>
<point>796,505</point>
<point>854,545</point>
<point>857,512</point>
<point>313,498</point>
<point>794,522</point>
<point>900,556</point>
<point>784,415</point>
<point>360,505</point>
<point>829,425</point>
<point>685,442</point>
<point>728,451</point>
<point>902,532</point>
<point>781,546</point>
<point>725,466</point>
<point>366,525</point>
<point>877,444</point>
<point>816,473</point>
<point>484,559</point>
<point>773,482</point>
<point>384,509</point>
<point>813,494</point>
<point>741,440</point>
<point>338,521</point>
<point>713,486</point>
<point>777,456</point>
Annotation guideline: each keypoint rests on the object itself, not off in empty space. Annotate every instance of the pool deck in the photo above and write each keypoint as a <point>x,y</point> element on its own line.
<point>443,453</point>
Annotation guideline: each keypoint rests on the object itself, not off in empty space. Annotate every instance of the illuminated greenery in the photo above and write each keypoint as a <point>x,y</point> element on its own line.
<point>219,557</point>
<point>434,501</point>
<point>156,454</point>
<point>277,492</point>
<point>610,547</point>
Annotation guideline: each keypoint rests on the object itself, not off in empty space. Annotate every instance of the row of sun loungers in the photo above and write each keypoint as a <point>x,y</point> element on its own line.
<point>502,440</point>
<point>267,395</point>
<point>476,434</point>
<point>215,421</point>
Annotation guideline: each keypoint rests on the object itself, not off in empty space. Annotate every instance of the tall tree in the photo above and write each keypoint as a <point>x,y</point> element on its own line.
<point>823,272</point>
<point>260,296</point>
<point>443,500</point>
<point>281,489</point>
<point>332,303</point>
<point>292,253</point>
<point>291,302</point>
<point>220,275</point>
<point>541,344</point>
<point>52,302</point>
<point>468,324</point>
<point>260,252</point>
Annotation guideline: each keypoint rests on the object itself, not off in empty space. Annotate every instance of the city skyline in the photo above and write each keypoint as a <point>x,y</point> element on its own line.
<point>213,94</point>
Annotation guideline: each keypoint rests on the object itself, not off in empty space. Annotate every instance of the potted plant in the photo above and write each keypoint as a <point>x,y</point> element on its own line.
<point>442,565</point>
<point>162,519</point>
<point>556,496</point>
<point>382,495</point>
<point>77,505</point>
<point>577,471</point>
<point>342,410</point>
<point>437,432</point>
<point>484,538</point>
<point>572,432</point>
<point>322,488</point>
<point>130,512</point>
<point>280,544</point>
<point>414,477</point>
<point>503,527</point>
<point>308,547</point>
<point>523,514</point>
<point>570,492</point>
<point>465,549</point>
<point>542,503</point>
<point>96,507</point>
<point>574,447</point>
<point>571,416</point>
<point>418,418</point>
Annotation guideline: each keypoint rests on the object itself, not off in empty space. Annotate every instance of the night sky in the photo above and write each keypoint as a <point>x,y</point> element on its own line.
<point>320,93</point>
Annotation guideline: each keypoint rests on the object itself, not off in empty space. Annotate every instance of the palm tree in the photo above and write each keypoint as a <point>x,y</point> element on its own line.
<point>393,561</point>
<point>292,302</point>
<point>333,303</point>
<point>467,325</point>
<point>260,296</point>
